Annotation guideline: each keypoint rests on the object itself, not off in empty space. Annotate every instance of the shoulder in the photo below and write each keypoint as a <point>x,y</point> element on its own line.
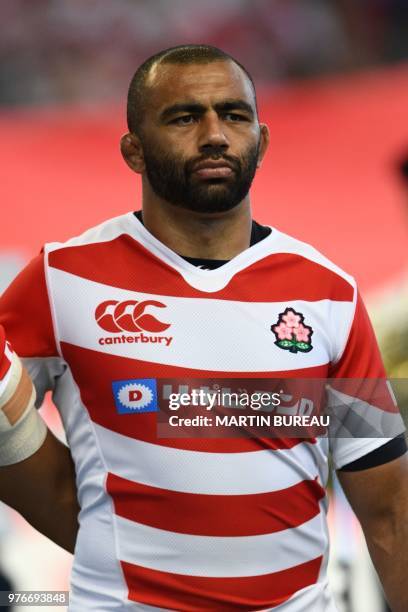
<point>307,268</point>
<point>104,232</point>
<point>104,245</point>
<point>304,250</point>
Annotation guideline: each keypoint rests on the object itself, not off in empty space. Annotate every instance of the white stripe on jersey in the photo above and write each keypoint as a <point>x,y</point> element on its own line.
<point>194,342</point>
<point>189,471</point>
<point>210,556</point>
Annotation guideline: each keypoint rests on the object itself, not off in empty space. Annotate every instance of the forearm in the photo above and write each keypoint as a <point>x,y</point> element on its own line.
<point>379,497</point>
<point>42,489</point>
<point>37,475</point>
<point>387,541</point>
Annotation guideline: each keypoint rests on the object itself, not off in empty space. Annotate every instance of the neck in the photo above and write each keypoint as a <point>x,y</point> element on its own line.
<point>191,234</point>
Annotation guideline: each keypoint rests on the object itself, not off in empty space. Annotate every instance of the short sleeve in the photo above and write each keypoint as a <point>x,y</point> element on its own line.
<point>359,395</point>
<point>26,317</point>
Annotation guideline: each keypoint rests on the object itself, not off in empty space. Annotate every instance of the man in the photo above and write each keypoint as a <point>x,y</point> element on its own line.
<point>192,287</point>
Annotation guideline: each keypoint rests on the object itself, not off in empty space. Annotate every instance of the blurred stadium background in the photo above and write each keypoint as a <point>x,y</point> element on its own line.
<point>332,79</point>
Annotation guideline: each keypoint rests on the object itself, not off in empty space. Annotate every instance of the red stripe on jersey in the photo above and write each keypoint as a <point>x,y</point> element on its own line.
<point>361,357</point>
<point>2,340</point>
<point>192,593</point>
<point>95,385</point>
<point>293,277</point>
<point>215,515</point>
<point>360,370</point>
<point>25,313</point>
<point>4,366</point>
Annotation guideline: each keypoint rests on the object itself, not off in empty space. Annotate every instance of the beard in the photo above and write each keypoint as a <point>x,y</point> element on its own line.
<point>172,178</point>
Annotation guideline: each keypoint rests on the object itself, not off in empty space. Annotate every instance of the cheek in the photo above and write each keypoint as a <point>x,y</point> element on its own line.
<point>184,144</point>
<point>242,140</point>
<point>176,147</point>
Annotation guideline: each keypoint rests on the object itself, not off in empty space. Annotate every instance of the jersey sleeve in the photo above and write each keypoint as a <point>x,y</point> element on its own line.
<point>360,402</point>
<point>25,314</point>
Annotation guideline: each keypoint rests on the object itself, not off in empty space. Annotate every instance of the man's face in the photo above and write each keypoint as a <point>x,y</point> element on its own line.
<point>200,137</point>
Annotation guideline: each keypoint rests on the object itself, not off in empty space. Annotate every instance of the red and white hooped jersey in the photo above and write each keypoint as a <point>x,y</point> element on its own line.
<point>176,524</point>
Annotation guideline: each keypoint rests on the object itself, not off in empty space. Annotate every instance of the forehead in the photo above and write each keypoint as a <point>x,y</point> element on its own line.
<point>169,84</point>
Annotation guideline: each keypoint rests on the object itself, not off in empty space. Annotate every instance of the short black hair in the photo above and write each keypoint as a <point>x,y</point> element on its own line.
<point>182,54</point>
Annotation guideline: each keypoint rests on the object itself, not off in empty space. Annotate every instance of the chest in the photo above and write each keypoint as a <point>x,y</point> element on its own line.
<point>200,333</point>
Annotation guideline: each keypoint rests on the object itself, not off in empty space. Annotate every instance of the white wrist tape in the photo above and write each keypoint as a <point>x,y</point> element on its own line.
<point>22,430</point>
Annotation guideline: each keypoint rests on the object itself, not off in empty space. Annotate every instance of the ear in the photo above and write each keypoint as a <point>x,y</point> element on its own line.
<point>132,152</point>
<point>264,143</point>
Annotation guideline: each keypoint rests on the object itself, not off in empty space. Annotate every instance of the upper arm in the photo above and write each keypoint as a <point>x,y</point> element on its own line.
<point>359,398</point>
<point>26,317</point>
<point>378,493</point>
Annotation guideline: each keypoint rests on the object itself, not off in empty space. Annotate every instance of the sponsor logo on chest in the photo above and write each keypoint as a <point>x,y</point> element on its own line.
<point>135,395</point>
<point>131,322</point>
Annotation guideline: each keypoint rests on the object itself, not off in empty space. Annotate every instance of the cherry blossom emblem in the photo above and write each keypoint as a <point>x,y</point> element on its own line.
<point>291,332</point>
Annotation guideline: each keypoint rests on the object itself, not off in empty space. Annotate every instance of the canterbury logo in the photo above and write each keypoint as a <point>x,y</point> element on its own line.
<point>130,316</point>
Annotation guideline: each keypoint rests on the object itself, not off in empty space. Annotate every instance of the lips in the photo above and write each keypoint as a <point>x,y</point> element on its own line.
<point>213,169</point>
<point>213,173</point>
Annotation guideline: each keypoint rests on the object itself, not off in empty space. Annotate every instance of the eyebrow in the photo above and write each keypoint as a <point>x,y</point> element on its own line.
<point>199,109</point>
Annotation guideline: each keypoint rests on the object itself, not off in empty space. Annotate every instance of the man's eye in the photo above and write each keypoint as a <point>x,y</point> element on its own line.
<point>184,120</point>
<point>234,117</point>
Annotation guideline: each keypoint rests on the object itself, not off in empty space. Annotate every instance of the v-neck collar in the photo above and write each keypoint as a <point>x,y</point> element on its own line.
<point>204,280</point>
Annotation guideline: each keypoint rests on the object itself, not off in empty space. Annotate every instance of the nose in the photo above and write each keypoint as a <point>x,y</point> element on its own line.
<point>212,133</point>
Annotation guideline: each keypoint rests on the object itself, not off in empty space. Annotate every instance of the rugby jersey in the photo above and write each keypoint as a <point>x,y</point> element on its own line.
<point>189,524</point>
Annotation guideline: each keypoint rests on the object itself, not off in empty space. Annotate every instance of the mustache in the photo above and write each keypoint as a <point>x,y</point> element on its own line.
<point>213,155</point>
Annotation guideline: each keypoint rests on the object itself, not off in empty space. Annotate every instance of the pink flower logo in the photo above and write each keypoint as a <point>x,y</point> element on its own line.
<point>283,331</point>
<point>291,318</point>
<point>291,332</point>
<point>302,333</point>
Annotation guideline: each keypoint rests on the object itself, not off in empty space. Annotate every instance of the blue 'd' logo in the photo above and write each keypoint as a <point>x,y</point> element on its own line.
<point>135,395</point>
